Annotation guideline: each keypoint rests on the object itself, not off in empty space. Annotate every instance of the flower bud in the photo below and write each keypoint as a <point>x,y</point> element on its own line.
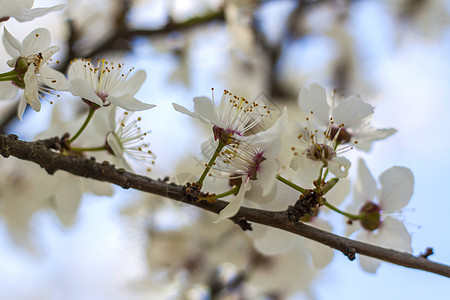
<point>371,216</point>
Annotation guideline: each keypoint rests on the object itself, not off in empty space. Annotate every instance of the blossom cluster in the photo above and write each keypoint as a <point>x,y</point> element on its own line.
<point>254,155</point>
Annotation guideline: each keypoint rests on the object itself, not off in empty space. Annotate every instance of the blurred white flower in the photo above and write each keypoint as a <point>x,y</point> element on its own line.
<point>22,10</point>
<point>106,83</point>
<point>397,184</point>
<point>350,116</point>
<point>29,61</point>
<point>233,117</point>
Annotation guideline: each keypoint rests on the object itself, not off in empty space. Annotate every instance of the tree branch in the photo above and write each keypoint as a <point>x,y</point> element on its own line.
<point>46,154</point>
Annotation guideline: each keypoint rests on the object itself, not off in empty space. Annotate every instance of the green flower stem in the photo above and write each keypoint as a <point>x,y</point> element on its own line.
<point>9,74</point>
<point>319,179</point>
<point>89,117</point>
<point>100,148</point>
<point>230,192</point>
<point>348,215</point>
<point>291,184</point>
<point>211,162</point>
<point>325,175</point>
<point>8,78</point>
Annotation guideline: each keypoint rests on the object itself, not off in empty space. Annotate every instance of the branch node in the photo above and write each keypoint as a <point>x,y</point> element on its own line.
<point>350,252</point>
<point>243,223</point>
<point>428,251</point>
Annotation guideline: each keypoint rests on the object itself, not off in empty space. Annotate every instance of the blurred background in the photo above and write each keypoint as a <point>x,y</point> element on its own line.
<point>394,54</point>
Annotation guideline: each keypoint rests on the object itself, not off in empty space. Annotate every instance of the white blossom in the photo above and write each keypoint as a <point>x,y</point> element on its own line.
<point>22,10</point>
<point>234,116</point>
<point>107,83</point>
<point>35,51</point>
<point>351,116</point>
<point>124,137</point>
<point>253,159</point>
<point>397,184</point>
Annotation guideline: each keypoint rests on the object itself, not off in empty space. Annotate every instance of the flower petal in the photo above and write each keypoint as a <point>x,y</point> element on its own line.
<point>115,145</point>
<point>314,98</point>
<point>32,88</point>
<point>397,184</point>
<point>28,15</point>
<point>79,87</point>
<point>368,264</point>
<point>205,108</point>
<point>185,111</point>
<point>133,84</point>
<point>321,255</point>
<point>393,234</point>
<point>352,112</point>
<point>8,90</point>
<point>235,203</point>
<point>12,45</point>
<point>36,42</point>
<point>128,102</point>
<point>365,136</point>
<point>266,175</point>
<point>365,188</point>
<point>275,241</point>
<point>339,166</point>
<point>54,79</point>
<point>22,107</point>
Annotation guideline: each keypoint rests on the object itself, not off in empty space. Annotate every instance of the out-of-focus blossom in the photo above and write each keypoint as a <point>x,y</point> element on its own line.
<point>377,227</point>
<point>106,83</point>
<point>22,10</point>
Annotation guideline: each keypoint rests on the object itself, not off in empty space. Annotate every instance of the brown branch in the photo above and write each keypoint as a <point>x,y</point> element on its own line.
<point>45,153</point>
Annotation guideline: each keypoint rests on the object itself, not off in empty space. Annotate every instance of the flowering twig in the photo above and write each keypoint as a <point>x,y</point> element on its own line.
<point>43,153</point>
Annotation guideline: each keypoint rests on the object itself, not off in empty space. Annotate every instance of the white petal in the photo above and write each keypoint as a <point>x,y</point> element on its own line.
<point>255,194</point>
<point>22,107</point>
<point>397,184</point>
<point>68,197</point>
<point>339,166</point>
<point>8,90</point>
<point>266,175</point>
<point>31,88</point>
<point>275,241</point>
<point>356,225</point>
<point>308,169</point>
<point>48,53</point>
<point>115,144</point>
<point>314,98</point>
<point>206,109</point>
<point>54,79</point>
<point>36,42</point>
<point>235,203</point>
<point>185,111</point>
<point>37,12</point>
<point>133,84</point>
<point>98,188</point>
<point>366,186</point>
<point>339,192</point>
<point>352,112</point>
<point>12,45</point>
<point>321,255</point>
<point>273,134</point>
<point>128,102</point>
<point>368,264</point>
<point>394,235</point>
<point>79,87</point>
<point>365,136</point>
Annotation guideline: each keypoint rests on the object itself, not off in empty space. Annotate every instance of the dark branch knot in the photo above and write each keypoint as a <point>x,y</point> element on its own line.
<point>304,206</point>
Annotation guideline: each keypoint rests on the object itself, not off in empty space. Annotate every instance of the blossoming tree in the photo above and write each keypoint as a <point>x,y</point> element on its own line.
<point>277,170</point>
